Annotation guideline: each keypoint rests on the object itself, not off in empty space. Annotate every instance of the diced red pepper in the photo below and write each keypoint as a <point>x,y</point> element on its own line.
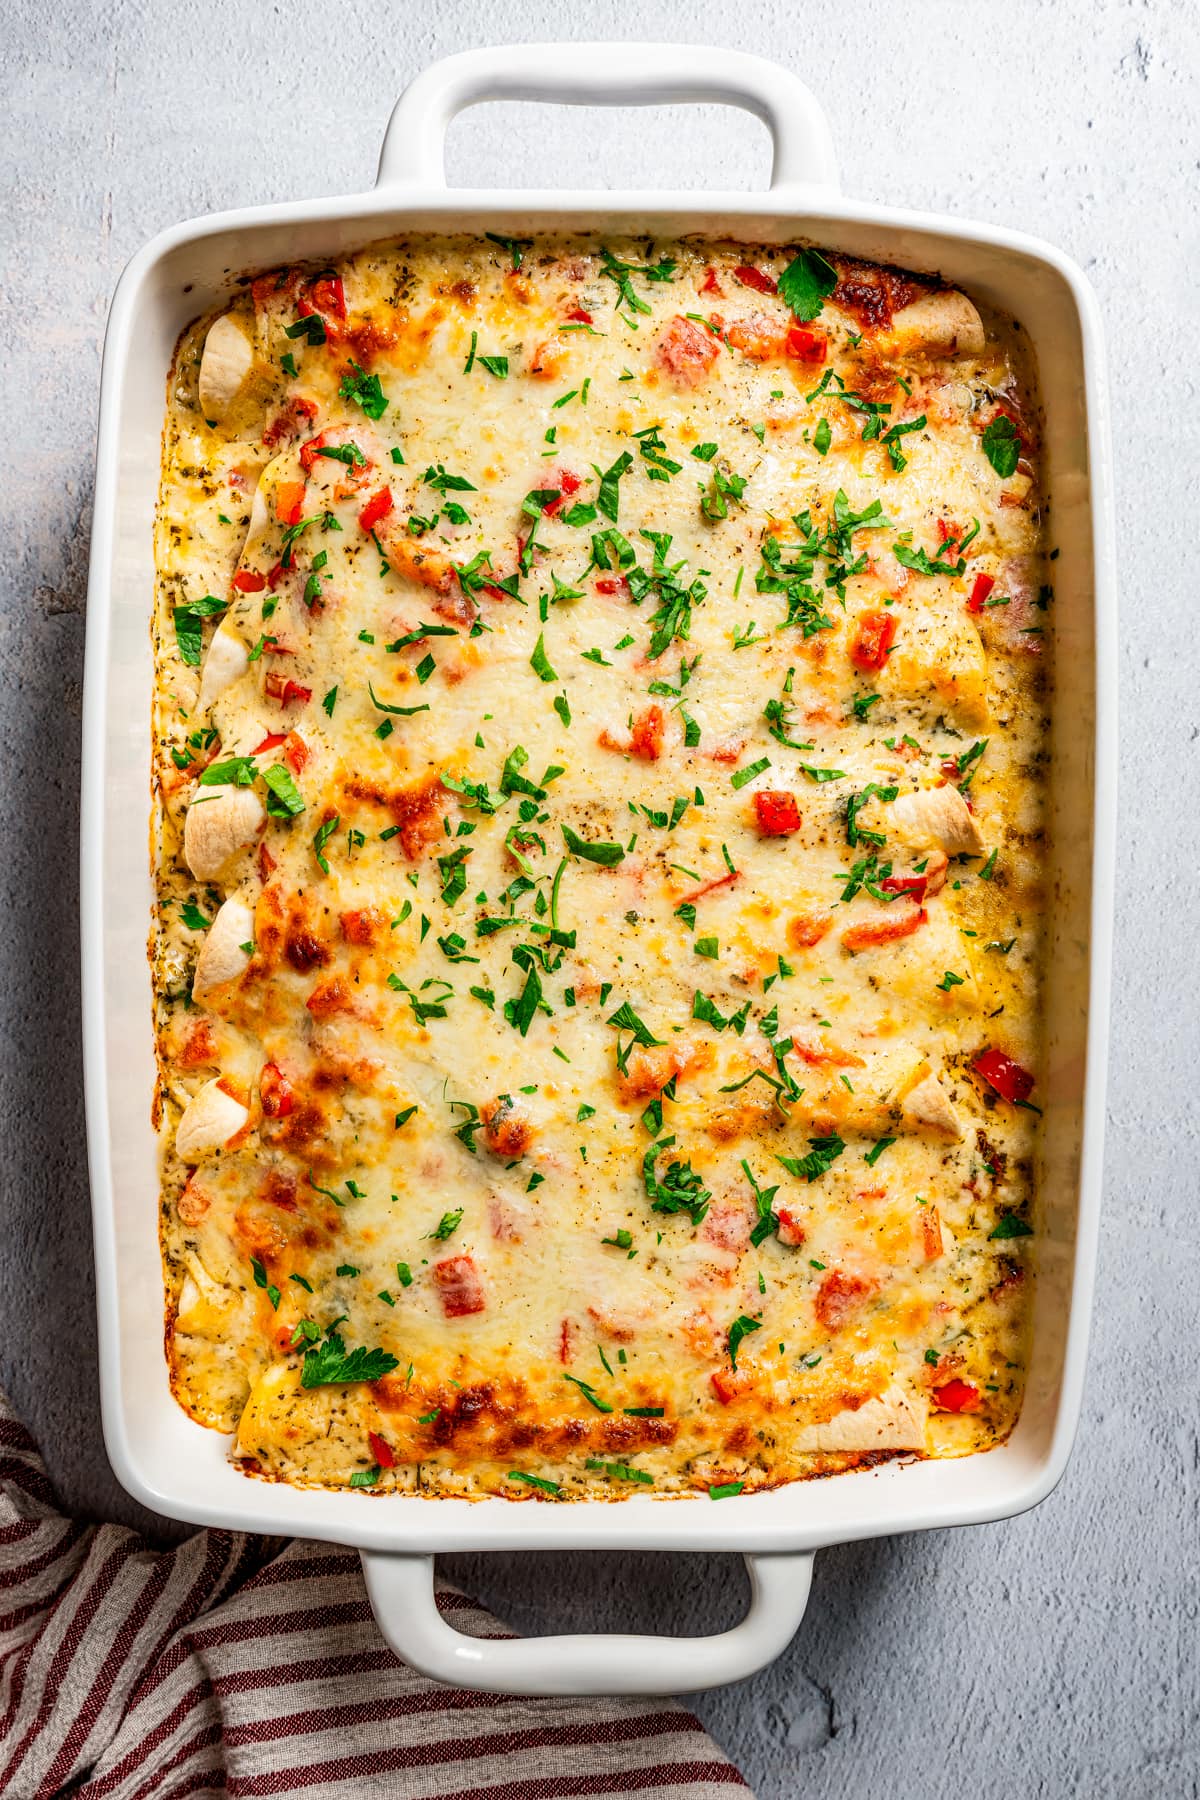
<point>710,284</point>
<point>329,295</point>
<point>906,884</point>
<point>957,1396</point>
<point>249,581</point>
<point>275,1091</point>
<point>459,1286</point>
<point>874,637</point>
<point>579,316</point>
<point>609,584</point>
<point>381,1450</point>
<point>289,502</point>
<point>378,507</point>
<point>295,750</point>
<point>806,346</point>
<point>1007,1077</point>
<point>758,279</point>
<point>777,813</point>
<point>981,588</point>
<point>272,741</point>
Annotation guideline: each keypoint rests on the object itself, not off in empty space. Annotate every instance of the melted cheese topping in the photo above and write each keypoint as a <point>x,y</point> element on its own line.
<point>599,727</point>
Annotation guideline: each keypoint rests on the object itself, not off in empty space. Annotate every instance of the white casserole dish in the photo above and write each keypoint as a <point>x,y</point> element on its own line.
<point>159,1454</point>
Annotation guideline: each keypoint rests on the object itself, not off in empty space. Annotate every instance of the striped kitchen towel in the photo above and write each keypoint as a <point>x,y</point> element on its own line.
<point>233,1665</point>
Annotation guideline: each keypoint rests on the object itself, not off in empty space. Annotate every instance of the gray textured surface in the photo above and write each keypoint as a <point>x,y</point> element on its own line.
<point>1051,1656</point>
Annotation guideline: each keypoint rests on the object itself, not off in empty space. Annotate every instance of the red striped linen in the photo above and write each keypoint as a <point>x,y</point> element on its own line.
<point>235,1665</point>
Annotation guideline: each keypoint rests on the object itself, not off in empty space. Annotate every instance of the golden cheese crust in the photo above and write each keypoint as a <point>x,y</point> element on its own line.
<point>599,745</point>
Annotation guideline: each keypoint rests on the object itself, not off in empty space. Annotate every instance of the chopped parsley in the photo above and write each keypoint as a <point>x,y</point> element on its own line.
<point>823,1153</point>
<point>331,1362</point>
<point>1002,445</point>
<point>807,283</point>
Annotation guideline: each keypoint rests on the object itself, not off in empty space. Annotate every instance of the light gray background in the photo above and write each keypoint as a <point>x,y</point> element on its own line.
<point>1051,1656</point>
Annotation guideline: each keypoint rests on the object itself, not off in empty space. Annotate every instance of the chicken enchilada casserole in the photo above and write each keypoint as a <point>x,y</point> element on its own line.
<point>600,752</point>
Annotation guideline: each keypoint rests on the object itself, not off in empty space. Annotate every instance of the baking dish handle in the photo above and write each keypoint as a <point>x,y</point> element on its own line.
<point>401,1594</point>
<point>607,75</point>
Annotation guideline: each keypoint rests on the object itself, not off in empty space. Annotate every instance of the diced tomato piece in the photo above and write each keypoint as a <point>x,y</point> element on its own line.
<point>710,284</point>
<point>873,638</point>
<point>199,1046</point>
<point>727,1225</point>
<point>295,750</point>
<point>249,581</point>
<point>758,279</point>
<point>568,484</point>
<point>378,507</point>
<point>757,337</point>
<point>1009,1079</point>
<point>777,813</point>
<point>873,932</point>
<point>981,588</point>
<point>791,1231</point>
<point>906,884</point>
<point>839,1297</point>
<point>363,925</point>
<point>459,1286</point>
<point>950,537</point>
<point>957,1396</point>
<point>289,502</point>
<point>687,351</point>
<point>329,295</point>
<point>647,738</point>
<point>806,346</point>
<point>729,1384</point>
<point>506,1126</point>
<point>286,691</point>
<point>610,584</point>
<point>272,741</point>
<point>275,1091</point>
<point>381,1450</point>
<point>308,452</point>
<point>329,998</point>
<point>808,928</point>
<point>579,316</point>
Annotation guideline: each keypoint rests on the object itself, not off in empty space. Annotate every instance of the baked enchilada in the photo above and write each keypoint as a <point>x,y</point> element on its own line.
<point>599,738</point>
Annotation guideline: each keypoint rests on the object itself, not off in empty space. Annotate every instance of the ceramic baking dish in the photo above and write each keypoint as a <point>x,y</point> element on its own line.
<point>159,1454</point>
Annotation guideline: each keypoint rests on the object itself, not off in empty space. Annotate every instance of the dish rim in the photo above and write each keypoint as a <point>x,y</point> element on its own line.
<point>1011,1483</point>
